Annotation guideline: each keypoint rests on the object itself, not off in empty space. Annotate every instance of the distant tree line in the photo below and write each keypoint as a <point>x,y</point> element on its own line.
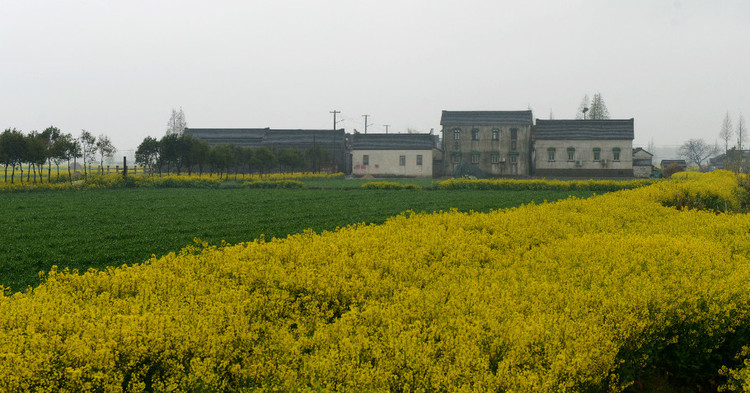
<point>51,146</point>
<point>183,153</point>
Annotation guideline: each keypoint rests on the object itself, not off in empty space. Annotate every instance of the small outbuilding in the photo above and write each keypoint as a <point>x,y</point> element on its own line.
<point>642,163</point>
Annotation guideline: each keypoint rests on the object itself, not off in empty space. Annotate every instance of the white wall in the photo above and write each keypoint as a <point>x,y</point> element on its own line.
<point>387,163</point>
<point>584,152</point>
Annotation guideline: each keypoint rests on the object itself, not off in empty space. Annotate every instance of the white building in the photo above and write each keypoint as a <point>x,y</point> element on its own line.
<point>583,148</point>
<point>392,155</point>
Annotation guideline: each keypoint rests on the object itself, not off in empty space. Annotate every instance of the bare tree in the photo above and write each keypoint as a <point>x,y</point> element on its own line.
<point>598,110</point>
<point>741,138</point>
<point>726,135</point>
<point>177,123</point>
<point>697,151</point>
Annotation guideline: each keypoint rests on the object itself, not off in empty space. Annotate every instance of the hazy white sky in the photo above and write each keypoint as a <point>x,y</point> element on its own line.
<point>119,67</point>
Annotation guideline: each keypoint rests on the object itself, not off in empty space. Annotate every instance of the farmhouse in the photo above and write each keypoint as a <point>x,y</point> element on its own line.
<point>642,163</point>
<point>332,141</point>
<point>496,142</point>
<point>583,148</point>
<point>393,154</point>
<point>731,159</point>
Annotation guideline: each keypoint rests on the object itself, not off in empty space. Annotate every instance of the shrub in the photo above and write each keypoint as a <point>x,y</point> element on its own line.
<point>671,169</point>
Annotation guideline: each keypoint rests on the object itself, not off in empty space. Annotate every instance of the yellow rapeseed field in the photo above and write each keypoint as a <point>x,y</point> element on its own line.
<point>573,296</point>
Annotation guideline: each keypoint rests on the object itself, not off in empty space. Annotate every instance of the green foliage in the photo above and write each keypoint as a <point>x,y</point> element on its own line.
<point>389,185</point>
<point>274,184</point>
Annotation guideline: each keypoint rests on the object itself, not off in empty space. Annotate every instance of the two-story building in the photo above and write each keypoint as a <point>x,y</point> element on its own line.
<point>498,143</point>
<point>584,148</point>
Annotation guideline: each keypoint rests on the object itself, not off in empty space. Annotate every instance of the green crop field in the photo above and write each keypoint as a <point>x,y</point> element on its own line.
<point>100,228</point>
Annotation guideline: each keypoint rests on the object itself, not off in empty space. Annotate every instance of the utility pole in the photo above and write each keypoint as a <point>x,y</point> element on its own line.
<point>333,140</point>
<point>334,117</point>
<point>365,116</point>
<point>386,127</point>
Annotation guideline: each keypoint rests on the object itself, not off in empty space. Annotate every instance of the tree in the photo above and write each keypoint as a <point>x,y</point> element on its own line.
<point>51,134</point>
<point>176,123</point>
<point>14,148</point>
<point>697,151</point>
<point>598,110</point>
<point>36,153</point>
<point>316,155</point>
<point>200,154</point>
<point>583,108</point>
<point>265,157</point>
<point>726,135</point>
<point>291,159</point>
<point>170,152</point>
<point>147,154</point>
<point>88,147</point>
<point>105,148</point>
<point>741,138</point>
<point>63,149</point>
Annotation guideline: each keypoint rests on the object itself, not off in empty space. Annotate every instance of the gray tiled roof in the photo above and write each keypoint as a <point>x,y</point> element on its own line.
<point>584,129</point>
<point>257,137</point>
<point>393,141</point>
<point>245,137</point>
<point>302,138</point>
<point>486,118</point>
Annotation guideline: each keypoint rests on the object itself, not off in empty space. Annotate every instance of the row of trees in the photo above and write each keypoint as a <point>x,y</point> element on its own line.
<point>35,149</point>
<point>179,153</point>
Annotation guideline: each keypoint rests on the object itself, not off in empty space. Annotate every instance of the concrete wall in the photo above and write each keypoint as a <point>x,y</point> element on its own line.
<point>387,163</point>
<point>642,171</point>
<point>583,163</point>
<point>485,146</point>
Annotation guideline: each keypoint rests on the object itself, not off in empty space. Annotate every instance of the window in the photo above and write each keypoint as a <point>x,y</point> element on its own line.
<point>495,157</point>
<point>475,134</point>
<point>419,159</point>
<point>571,154</point>
<point>495,134</point>
<point>456,134</point>
<point>402,160</point>
<point>456,157</point>
<point>365,159</point>
<point>513,139</point>
<point>616,154</point>
<point>475,157</point>
<point>551,154</point>
<point>513,159</point>
<point>597,154</point>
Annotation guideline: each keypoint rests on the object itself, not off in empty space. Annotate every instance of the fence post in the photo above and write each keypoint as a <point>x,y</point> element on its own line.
<point>124,166</point>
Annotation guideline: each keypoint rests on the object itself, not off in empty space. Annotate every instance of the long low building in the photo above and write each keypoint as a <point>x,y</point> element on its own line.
<point>333,141</point>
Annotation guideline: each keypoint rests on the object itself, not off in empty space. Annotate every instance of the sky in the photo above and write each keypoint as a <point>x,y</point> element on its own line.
<point>119,68</point>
